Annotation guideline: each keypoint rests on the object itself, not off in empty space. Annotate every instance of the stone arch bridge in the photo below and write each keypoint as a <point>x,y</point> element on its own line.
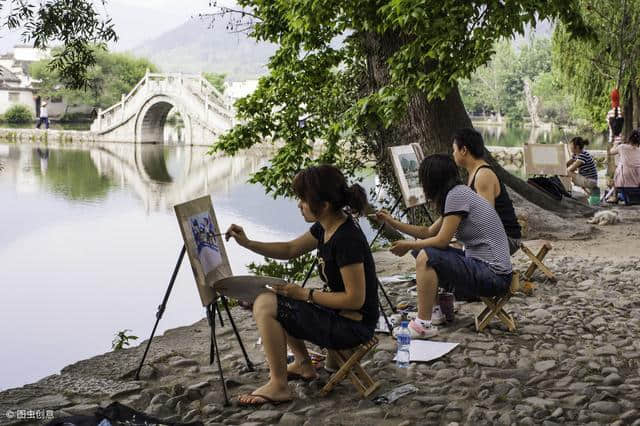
<point>141,114</point>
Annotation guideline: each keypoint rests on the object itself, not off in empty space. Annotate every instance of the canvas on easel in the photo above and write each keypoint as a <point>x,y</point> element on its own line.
<point>405,160</point>
<point>545,159</point>
<point>204,243</point>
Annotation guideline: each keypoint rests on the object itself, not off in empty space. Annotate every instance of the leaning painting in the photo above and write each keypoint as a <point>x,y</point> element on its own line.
<point>204,243</point>
<point>406,163</point>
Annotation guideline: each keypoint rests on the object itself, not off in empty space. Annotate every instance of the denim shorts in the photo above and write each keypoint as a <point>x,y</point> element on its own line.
<point>320,325</point>
<point>466,277</point>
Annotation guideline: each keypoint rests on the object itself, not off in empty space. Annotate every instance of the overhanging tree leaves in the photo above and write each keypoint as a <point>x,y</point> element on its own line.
<point>365,75</point>
<point>593,66</point>
<point>74,23</point>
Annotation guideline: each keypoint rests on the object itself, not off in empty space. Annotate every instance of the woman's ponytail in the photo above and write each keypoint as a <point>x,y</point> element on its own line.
<point>356,199</point>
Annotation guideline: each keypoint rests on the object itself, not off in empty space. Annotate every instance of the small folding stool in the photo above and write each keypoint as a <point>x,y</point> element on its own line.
<point>349,361</point>
<point>536,261</point>
<point>495,307</point>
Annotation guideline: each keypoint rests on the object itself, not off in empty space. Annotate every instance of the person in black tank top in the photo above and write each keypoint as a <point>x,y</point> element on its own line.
<point>468,152</point>
<point>342,316</point>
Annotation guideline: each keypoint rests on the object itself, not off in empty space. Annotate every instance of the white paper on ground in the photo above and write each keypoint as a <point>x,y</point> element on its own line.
<point>396,279</point>
<point>427,350</point>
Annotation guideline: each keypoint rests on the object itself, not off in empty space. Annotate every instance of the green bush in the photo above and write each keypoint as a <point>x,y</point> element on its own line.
<point>18,114</point>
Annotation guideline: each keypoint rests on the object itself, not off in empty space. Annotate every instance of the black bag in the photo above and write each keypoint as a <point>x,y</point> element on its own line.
<point>616,123</point>
<point>115,414</point>
<point>550,185</point>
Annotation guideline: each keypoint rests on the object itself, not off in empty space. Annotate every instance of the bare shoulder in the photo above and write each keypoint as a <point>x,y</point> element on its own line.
<point>486,177</point>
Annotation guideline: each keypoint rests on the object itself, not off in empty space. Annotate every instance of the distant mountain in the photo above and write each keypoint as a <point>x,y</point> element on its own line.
<point>198,46</point>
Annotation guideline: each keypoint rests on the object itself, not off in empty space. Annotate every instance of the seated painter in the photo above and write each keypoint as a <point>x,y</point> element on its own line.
<point>483,269</point>
<point>345,314</point>
<point>627,174</point>
<point>586,176</point>
<point>468,152</point>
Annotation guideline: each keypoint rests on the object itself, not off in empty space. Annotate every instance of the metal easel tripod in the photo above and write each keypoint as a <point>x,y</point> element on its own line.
<point>210,309</point>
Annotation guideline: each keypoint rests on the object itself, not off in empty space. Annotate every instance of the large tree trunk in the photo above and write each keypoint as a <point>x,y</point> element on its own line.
<point>432,125</point>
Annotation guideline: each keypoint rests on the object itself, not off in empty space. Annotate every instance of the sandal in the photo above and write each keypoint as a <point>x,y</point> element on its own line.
<point>265,400</point>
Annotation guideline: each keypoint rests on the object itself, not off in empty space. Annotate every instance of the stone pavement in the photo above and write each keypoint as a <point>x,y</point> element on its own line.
<point>574,359</point>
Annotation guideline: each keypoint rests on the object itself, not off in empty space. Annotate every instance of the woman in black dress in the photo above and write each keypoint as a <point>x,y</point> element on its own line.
<point>342,316</point>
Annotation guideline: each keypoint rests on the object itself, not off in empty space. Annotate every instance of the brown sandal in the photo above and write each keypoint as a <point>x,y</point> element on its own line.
<point>265,400</point>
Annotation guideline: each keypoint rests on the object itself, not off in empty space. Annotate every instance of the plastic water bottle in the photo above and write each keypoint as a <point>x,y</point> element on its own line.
<point>404,342</point>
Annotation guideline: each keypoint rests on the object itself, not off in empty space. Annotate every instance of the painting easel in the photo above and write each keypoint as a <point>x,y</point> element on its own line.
<point>543,159</point>
<point>210,310</point>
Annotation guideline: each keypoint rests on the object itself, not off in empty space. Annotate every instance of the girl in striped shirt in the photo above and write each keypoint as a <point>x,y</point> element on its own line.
<point>587,174</point>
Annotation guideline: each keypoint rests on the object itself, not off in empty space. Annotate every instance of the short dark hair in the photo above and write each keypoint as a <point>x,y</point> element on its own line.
<point>579,142</point>
<point>471,139</point>
<point>438,174</point>
<point>634,137</point>
<point>326,183</point>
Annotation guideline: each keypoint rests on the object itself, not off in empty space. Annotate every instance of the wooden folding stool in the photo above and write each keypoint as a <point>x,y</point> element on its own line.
<point>495,306</point>
<point>349,361</point>
<point>536,261</point>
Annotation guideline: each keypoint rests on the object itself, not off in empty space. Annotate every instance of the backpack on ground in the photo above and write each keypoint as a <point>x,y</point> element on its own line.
<point>115,414</point>
<point>616,123</point>
<point>550,185</point>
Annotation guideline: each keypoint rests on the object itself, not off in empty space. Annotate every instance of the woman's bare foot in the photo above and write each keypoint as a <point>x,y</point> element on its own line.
<point>302,369</point>
<point>268,393</point>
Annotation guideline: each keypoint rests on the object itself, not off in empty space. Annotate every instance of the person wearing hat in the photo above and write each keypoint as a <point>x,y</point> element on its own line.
<point>44,116</point>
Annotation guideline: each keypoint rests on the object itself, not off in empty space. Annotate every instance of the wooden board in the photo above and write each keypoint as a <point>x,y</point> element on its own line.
<point>405,160</point>
<point>545,159</point>
<point>245,287</point>
<point>207,255</point>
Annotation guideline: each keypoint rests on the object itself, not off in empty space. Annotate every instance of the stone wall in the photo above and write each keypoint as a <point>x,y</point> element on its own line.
<point>512,156</point>
<point>36,135</point>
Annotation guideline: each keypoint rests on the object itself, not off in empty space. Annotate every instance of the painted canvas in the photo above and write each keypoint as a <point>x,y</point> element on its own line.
<point>545,159</point>
<point>205,245</point>
<point>405,160</point>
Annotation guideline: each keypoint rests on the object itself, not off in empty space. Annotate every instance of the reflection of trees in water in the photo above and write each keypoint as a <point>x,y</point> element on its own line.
<point>519,135</point>
<point>72,174</point>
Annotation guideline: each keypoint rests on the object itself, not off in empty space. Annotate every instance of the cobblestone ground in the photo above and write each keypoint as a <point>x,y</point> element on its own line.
<point>574,359</point>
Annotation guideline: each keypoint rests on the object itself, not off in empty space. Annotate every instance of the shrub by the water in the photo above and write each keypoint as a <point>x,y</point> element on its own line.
<point>18,114</point>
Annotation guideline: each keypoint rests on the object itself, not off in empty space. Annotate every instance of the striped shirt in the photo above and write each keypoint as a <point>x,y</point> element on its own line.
<point>588,167</point>
<point>480,230</point>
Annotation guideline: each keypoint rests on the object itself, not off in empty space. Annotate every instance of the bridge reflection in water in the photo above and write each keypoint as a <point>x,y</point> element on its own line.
<point>163,176</point>
<point>159,175</point>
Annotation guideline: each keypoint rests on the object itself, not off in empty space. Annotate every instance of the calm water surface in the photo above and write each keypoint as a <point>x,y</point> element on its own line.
<point>88,241</point>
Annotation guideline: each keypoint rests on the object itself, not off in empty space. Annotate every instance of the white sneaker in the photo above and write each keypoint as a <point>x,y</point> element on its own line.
<point>419,331</point>
<point>437,317</point>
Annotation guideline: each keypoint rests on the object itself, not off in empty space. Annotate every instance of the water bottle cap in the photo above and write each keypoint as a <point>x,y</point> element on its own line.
<point>404,324</point>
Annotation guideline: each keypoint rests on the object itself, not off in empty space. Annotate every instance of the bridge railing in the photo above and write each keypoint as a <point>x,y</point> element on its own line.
<point>209,97</point>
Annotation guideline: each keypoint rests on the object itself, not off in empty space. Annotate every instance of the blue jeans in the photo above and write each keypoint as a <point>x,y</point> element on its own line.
<point>466,277</point>
<point>44,120</point>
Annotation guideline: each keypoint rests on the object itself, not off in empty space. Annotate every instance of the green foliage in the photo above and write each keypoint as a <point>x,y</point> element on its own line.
<point>122,340</point>
<point>498,87</point>
<point>351,69</point>
<point>293,270</point>
<point>216,80</point>
<point>74,23</point>
<point>18,114</point>
<point>112,75</point>
<point>610,57</point>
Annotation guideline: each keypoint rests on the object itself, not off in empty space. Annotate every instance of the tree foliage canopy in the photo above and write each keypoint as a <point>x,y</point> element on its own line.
<point>112,75</point>
<point>593,66</point>
<point>76,24</point>
<point>326,60</point>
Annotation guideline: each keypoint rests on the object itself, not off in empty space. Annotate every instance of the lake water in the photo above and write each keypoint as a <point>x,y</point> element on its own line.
<point>518,135</point>
<point>88,241</point>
